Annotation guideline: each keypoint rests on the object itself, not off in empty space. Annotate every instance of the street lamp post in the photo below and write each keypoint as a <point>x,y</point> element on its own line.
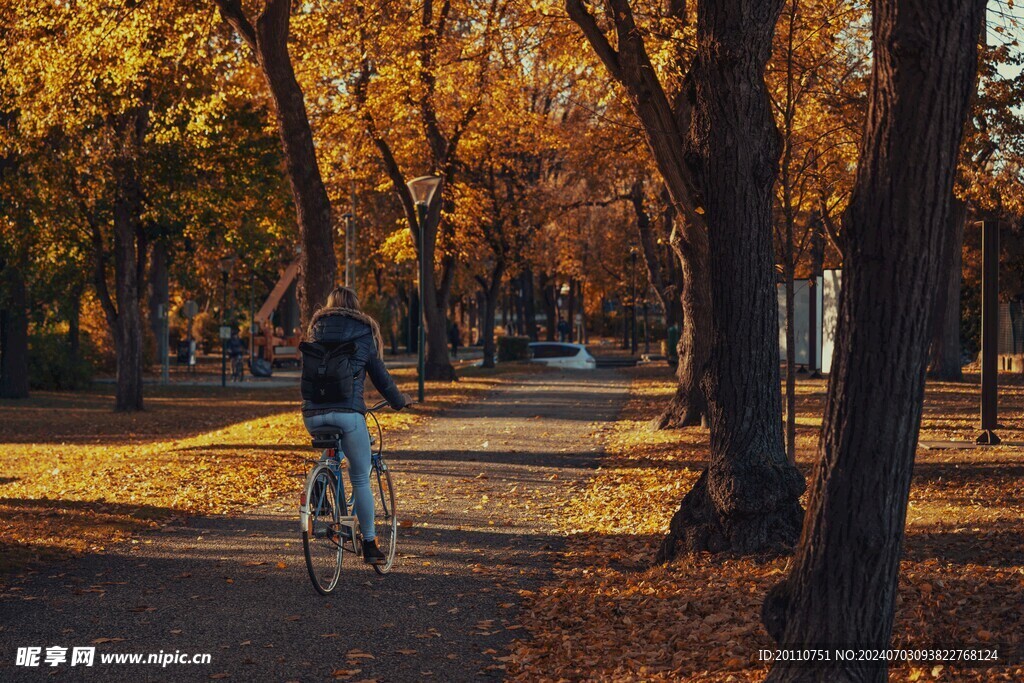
<point>252,317</point>
<point>348,248</point>
<point>226,264</point>
<point>422,190</point>
<point>647,334</point>
<point>632,297</point>
<point>989,333</point>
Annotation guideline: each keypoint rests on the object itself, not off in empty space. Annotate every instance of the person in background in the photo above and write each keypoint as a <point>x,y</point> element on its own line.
<point>236,352</point>
<point>563,330</point>
<point>454,338</point>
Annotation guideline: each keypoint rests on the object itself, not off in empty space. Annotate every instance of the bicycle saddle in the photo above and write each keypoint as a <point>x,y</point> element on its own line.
<point>326,437</point>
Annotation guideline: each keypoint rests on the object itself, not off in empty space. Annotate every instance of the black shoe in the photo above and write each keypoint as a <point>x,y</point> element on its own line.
<point>372,554</point>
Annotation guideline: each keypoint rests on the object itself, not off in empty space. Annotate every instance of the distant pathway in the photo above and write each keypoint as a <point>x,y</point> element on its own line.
<point>478,485</point>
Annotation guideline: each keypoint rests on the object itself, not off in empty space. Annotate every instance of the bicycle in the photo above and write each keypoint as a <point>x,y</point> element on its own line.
<point>237,369</point>
<point>328,529</point>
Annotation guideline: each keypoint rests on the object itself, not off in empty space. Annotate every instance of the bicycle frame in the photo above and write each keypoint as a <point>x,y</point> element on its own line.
<point>333,458</point>
<point>335,522</point>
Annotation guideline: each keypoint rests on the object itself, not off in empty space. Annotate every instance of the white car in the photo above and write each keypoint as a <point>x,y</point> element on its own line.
<point>563,355</point>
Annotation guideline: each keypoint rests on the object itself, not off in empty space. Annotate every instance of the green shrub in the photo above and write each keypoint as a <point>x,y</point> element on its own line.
<point>513,348</point>
<point>50,365</point>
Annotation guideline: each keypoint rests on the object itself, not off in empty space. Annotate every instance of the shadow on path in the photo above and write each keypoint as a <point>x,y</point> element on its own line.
<point>479,526</point>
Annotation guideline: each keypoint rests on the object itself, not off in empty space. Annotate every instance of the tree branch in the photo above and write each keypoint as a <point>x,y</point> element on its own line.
<point>231,11</point>
<point>831,230</point>
<point>595,36</point>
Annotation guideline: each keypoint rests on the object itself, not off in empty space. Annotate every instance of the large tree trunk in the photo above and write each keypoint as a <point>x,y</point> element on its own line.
<point>159,293</point>
<point>14,380</point>
<point>716,150</point>
<point>841,591</point>
<point>491,290</point>
<point>438,364</point>
<point>689,404</point>
<point>529,306</point>
<point>550,307</point>
<point>945,344</point>
<point>748,498</point>
<point>74,316</point>
<point>268,40</point>
<point>129,265</point>
<point>125,317</point>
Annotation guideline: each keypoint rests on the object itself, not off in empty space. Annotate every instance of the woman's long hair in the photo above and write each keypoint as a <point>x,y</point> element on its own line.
<point>343,297</point>
<point>343,301</point>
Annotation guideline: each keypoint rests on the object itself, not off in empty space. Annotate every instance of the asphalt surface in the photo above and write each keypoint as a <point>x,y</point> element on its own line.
<point>480,487</point>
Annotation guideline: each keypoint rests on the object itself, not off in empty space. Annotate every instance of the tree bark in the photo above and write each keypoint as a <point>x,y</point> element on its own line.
<point>438,365</point>
<point>841,591</point>
<point>159,289</point>
<point>529,305</point>
<point>688,405</point>
<point>944,363</point>
<point>129,264</point>
<point>124,316</point>
<point>491,289</point>
<point>748,498</point>
<point>268,40</point>
<point>665,129</point>
<point>14,379</point>
<point>74,316</point>
<point>550,309</point>
<point>717,151</point>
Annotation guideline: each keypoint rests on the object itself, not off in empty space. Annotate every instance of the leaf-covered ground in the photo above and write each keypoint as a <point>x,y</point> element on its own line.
<point>611,616</point>
<point>76,476</point>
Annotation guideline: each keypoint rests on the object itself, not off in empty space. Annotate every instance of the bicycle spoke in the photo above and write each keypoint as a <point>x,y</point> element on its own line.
<point>321,539</point>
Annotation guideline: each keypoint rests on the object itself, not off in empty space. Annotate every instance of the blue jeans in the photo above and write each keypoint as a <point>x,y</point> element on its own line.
<point>355,442</point>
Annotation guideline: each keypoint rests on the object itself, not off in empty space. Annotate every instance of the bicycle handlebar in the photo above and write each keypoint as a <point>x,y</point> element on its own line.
<point>377,406</point>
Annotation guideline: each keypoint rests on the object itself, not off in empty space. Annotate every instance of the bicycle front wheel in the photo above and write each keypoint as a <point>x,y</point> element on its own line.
<point>385,519</point>
<point>321,541</point>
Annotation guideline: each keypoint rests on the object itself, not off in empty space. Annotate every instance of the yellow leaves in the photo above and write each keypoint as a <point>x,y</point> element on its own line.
<point>68,63</point>
<point>398,247</point>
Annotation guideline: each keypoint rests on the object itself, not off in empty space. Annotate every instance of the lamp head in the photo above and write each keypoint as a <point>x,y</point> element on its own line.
<point>424,188</point>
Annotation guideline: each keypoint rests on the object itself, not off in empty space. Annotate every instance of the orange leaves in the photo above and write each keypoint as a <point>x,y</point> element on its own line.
<point>610,615</point>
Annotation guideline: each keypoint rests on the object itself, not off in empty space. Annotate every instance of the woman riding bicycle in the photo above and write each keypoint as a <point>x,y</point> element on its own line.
<point>341,321</point>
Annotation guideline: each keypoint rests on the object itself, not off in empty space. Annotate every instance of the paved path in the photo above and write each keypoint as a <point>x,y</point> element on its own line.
<point>479,485</point>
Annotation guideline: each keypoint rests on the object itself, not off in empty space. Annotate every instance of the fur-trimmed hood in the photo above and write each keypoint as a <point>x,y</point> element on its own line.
<point>378,340</point>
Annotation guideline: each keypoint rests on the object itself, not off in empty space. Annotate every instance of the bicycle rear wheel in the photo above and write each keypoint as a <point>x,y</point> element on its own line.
<point>321,543</point>
<point>385,519</point>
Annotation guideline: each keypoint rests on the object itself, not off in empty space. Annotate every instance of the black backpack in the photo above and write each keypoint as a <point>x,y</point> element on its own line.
<point>327,375</point>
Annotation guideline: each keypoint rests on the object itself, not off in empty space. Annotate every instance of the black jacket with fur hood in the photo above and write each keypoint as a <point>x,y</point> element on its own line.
<point>339,326</point>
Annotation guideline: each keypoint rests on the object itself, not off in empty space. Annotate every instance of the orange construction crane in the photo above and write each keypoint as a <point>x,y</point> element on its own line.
<point>273,347</point>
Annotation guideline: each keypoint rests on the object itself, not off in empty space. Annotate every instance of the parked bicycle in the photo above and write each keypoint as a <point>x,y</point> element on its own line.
<point>326,513</point>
